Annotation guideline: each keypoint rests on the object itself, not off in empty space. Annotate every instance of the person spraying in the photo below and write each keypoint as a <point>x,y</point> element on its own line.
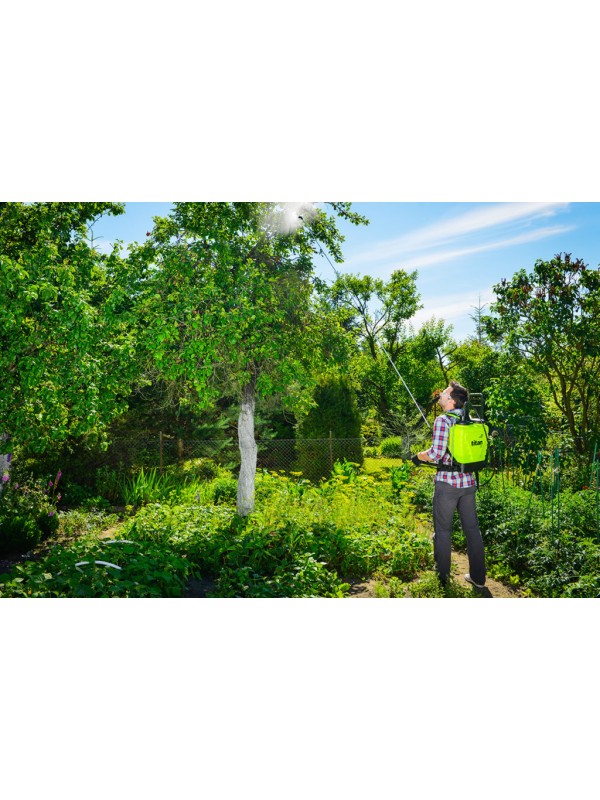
<point>455,485</point>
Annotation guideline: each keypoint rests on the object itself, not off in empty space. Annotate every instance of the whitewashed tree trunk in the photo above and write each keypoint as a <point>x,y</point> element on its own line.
<point>248,449</point>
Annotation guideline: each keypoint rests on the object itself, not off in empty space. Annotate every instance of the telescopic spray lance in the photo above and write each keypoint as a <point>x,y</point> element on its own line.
<point>415,459</point>
<point>405,386</point>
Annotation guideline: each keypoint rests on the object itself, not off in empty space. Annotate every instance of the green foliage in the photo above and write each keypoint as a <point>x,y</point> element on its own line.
<point>224,490</point>
<point>475,365</point>
<point>516,408</point>
<point>27,514</point>
<point>552,551</point>
<point>428,585</point>
<point>304,540</point>
<point>80,522</point>
<point>203,469</point>
<point>392,447</point>
<point>67,343</point>
<point>147,487</point>
<point>550,317</point>
<point>398,300</point>
<point>336,414</point>
<point>141,570</point>
<point>346,470</point>
<point>18,534</point>
<point>400,477</point>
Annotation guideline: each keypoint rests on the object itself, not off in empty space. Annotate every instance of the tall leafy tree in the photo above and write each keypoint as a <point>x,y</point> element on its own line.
<point>66,344</point>
<point>375,313</point>
<point>377,309</point>
<point>550,316</point>
<point>225,298</point>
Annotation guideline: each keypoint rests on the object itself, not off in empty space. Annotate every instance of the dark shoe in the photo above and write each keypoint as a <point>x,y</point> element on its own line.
<point>470,580</point>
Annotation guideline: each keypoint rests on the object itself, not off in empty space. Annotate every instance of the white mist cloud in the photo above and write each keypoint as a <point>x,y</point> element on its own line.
<point>286,218</point>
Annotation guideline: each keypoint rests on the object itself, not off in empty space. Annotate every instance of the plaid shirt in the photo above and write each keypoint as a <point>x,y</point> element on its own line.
<point>439,450</point>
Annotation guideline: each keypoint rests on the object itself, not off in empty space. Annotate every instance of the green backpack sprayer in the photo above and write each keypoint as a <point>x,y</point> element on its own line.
<point>468,441</point>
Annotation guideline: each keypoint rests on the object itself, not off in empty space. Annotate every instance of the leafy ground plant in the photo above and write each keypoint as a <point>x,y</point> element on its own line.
<point>89,568</point>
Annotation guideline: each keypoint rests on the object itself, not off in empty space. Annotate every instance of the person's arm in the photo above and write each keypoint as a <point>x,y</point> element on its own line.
<point>439,442</point>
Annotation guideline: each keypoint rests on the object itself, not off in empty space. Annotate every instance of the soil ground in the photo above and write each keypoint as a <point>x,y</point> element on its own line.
<point>460,567</point>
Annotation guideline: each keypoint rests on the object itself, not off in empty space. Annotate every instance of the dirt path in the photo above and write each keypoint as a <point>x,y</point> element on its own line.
<point>459,568</point>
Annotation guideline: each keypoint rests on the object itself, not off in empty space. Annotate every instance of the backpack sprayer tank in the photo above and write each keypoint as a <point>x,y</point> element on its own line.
<point>468,442</point>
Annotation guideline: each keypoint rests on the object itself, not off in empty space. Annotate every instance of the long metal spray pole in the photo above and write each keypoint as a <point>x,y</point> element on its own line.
<point>405,386</point>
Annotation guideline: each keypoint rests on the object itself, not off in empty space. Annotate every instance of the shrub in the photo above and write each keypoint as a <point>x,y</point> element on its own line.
<point>336,412</point>
<point>400,477</point>
<point>18,534</point>
<point>391,447</point>
<point>202,469</point>
<point>224,490</point>
<point>27,514</point>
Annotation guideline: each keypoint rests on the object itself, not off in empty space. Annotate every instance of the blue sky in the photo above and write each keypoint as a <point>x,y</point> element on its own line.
<point>460,250</point>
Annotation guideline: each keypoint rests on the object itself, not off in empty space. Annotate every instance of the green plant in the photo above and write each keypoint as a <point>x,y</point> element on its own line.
<point>400,477</point>
<point>331,431</point>
<point>224,490</point>
<point>101,569</point>
<point>347,470</point>
<point>148,487</point>
<point>391,447</point>
<point>202,469</point>
<point>79,522</point>
<point>109,483</point>
<point>27,513</point>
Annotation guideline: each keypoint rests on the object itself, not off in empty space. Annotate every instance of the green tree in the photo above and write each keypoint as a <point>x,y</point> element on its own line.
<point>66,338</point>
<point>376,309</point>
<point>335,415</point>
<point>515,405</point>
<point>475,365</point>
<point>375,313</point>
<point>550,316</point>
<point>225,297</point>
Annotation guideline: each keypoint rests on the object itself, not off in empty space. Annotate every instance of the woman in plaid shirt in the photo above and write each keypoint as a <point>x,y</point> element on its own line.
<point>453,490</point>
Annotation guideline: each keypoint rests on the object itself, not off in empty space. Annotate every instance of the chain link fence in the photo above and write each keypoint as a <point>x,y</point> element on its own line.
<point>510,453</point>
<point>162,450</point>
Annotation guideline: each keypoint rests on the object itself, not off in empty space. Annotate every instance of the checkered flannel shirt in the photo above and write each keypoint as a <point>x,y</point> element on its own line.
<point>439,450</point>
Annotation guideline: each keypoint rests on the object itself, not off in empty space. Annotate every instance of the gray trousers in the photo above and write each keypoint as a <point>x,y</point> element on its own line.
<point>446,499</point>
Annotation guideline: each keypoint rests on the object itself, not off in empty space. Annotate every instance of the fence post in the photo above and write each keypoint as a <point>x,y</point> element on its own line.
<point>330,450</point>
<point>160,440</point>
<point>180,448</point>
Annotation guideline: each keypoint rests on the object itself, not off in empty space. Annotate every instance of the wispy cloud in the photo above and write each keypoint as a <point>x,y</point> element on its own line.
<point>428,259</point>
<point>484,219</point>
<point>453,307</point>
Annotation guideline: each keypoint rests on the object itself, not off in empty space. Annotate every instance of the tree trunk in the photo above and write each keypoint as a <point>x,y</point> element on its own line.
<point>248,449</point>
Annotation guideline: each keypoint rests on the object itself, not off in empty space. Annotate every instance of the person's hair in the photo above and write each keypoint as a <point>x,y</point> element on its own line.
<point>459,394</point>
